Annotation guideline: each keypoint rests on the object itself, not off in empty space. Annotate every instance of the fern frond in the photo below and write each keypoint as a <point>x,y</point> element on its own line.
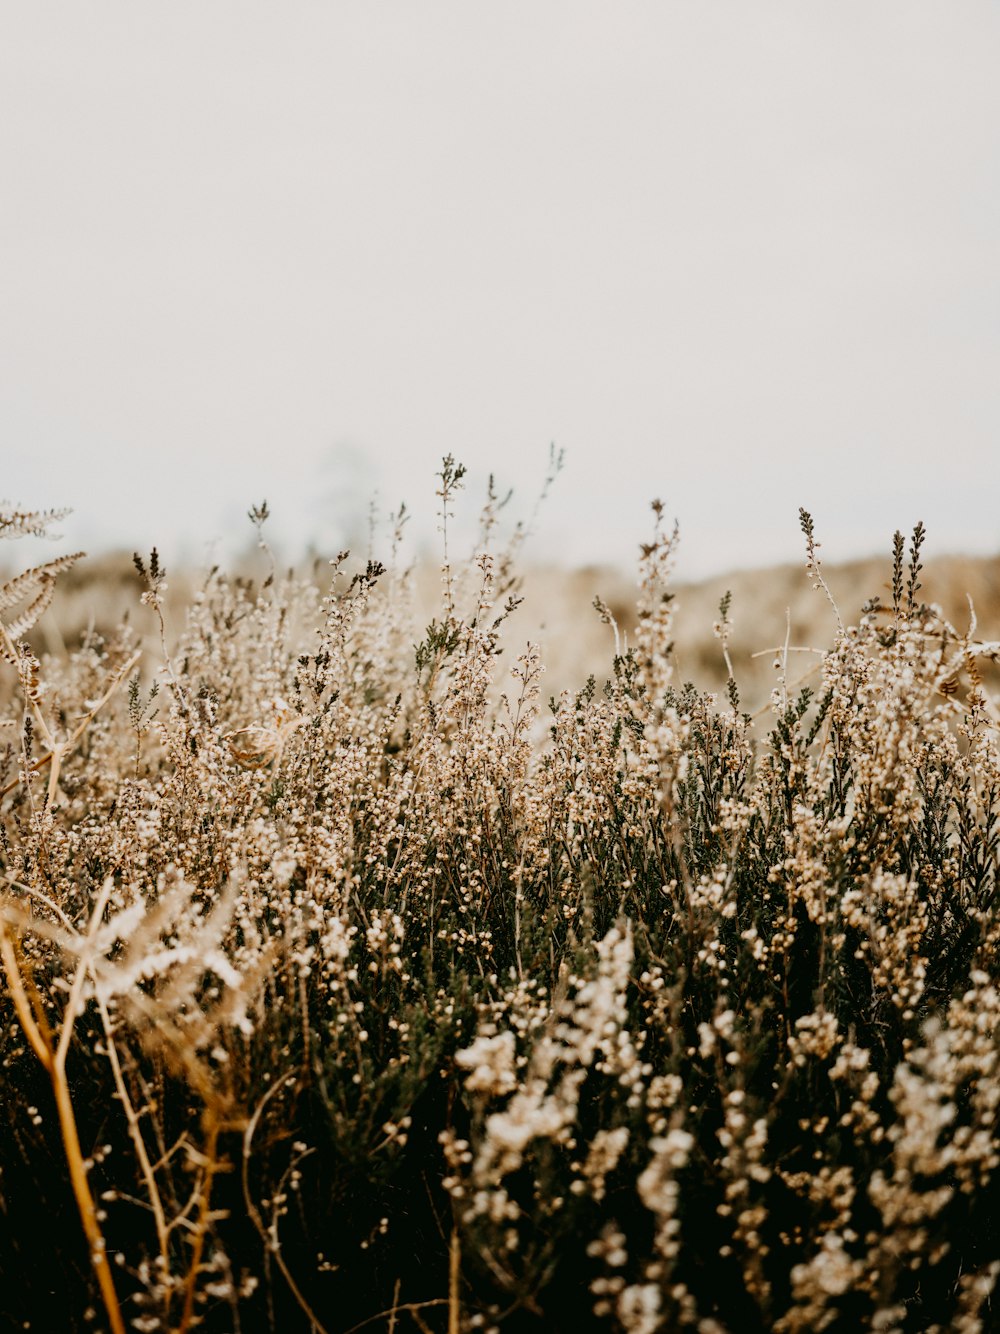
<point>30,583</point>
<point>18,628</point>
<point>27,523</point>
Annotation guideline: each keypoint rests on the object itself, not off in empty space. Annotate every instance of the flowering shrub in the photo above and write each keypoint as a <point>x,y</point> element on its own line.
<point>344,990</point>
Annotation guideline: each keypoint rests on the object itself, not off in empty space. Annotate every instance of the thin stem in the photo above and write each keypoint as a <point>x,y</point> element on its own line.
<point>22,1005</point>
<point>210,1160</point>
<point>270,1238</point>
<point>54,1064</point>
<point>135,1133</point>
<point>73,1003</point>
<point>85,1201</point>
<point>454,1272</point>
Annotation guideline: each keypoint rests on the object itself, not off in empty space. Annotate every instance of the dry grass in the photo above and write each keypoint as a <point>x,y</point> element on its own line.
<point>98,595</point>
<point>349,984</point>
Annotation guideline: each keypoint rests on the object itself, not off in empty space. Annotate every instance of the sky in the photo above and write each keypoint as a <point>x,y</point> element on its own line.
<point>739,255</point>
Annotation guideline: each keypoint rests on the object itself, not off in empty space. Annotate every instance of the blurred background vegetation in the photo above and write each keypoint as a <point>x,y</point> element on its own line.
<point>558,613</point>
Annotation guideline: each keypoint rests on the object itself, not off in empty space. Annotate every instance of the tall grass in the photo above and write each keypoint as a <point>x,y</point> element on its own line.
<point>349,984</point>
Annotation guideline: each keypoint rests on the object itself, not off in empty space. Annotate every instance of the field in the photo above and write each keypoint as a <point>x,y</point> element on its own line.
<point>357,975</point>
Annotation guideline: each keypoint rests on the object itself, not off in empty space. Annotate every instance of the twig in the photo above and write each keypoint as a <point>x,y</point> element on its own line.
<point>53,1060</point>
<point>411,1308</point>
<point>135,1132</point>
<point>270,1239</point>
<point>454,1272</point>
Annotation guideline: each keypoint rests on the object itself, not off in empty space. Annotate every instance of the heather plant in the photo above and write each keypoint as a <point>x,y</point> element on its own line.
<point>350,984</point>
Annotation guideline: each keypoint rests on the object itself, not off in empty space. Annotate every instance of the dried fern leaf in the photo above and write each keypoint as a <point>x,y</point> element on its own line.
<point>27,523</point>
<point>30,583</point>
<point>20,627</point>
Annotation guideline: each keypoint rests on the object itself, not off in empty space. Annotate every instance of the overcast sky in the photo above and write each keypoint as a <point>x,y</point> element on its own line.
<point>742,255</point>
